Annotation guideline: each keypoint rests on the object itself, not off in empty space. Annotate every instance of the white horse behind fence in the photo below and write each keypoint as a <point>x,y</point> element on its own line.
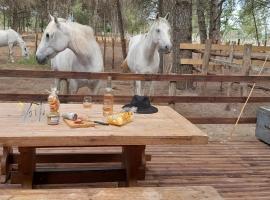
<point>72,47</point>
<point>11,38</point>
<point>143,56</point>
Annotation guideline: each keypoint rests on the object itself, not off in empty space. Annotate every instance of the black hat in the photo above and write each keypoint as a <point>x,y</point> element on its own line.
<point>143,105</point>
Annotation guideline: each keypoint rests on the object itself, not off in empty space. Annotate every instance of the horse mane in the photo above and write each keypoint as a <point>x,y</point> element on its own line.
<point>87,31</point>
<point>160,20</point>
<point>79,31</point>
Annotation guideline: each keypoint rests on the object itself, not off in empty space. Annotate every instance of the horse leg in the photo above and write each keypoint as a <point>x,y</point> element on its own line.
<point>57,83</point>
<point>10,46</point>
<point>229,91</point>
<point>138,88</point>
<point>143,88</point>
<point>152,88</point>
<point>73,87</point>
<point>97,87</point>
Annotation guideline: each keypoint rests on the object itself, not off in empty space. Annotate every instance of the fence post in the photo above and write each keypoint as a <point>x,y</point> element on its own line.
<point>246,67</point>
<point>238,42</point>
<point>172,92</point>
<point>205,64</point>
<point>36,41</point>
<point>228,72</point>
<point>104,51</point>
<point>113,44</point>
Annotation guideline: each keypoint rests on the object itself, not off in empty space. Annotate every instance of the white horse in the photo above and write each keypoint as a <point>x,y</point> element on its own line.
<point>72,47</point>
<point>11,38</point>
<point>143,56</point>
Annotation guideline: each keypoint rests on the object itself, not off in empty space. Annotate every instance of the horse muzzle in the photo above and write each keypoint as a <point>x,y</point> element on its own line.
<point>41,61</point>
<point>165,49</point>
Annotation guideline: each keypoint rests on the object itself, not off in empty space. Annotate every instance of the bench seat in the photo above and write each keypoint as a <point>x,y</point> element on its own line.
<point>139,193</point>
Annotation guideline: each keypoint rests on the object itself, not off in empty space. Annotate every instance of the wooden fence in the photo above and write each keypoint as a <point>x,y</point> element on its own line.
<point>146,77</point>
<point>231,55</point>
<point>228,55</point>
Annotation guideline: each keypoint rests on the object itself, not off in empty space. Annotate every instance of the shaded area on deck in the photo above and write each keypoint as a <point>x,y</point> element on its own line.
<point>238,170</point>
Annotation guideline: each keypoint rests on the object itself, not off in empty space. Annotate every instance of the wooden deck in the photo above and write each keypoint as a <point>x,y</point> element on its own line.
<point>238,170</point>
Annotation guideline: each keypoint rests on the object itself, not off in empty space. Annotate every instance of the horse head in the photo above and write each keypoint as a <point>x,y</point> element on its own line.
<point>54,40</point>
<point>25,51</point>
<point>161,33</point>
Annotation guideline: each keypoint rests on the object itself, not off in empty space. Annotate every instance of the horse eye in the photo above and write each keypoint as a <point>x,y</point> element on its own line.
<point>47,36</point>
<point>158,30</point>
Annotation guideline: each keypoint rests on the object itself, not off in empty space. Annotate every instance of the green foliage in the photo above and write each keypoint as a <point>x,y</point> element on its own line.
<point>133,23</point>
<point>81,15</point>
<point>30,61</point>
<point>254,13</point>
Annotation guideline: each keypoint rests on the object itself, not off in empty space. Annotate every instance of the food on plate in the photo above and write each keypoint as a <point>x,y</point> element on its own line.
<point>120,119</point>
<point>78,121</point>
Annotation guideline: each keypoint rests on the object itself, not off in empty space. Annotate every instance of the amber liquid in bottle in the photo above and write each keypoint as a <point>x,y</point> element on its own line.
<point>108,100</point>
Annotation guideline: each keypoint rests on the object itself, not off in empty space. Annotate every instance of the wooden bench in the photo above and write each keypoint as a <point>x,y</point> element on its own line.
<point>164,193</point>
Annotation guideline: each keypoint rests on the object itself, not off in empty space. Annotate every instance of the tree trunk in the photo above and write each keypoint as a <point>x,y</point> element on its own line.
<point>121,28</point>
<point>214,17</point>
<point>182,32</point>
<point>4,14</point>
<point>160,8</point>
<point>201,20</point>
<point>160,11</point>
<point>255,23</point>
<point>15,20</point>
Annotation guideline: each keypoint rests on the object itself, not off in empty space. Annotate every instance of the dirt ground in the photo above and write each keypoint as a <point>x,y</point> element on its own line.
<point>215,132</point>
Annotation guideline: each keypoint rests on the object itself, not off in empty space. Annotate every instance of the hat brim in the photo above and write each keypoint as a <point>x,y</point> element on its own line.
<point>149,110</point>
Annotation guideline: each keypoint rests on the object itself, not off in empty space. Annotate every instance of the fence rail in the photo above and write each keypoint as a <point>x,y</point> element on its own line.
<point>220,47</point>
<point>147,77</point>
<point>130,77</point>
<point>125,99</point>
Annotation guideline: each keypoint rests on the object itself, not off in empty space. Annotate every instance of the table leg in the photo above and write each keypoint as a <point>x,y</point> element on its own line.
<point>26,165</point>
<point>134,163</point>
<point>5,164</point>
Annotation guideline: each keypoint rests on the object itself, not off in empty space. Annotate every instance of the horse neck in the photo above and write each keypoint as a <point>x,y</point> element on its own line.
<point>21,42</point>
<point>149,47</point>
<point>80,46</point>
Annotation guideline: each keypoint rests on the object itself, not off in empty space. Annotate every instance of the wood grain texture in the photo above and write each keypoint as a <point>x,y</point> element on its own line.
<point>5,164</point>
<point>130,77</point>
<point>164,127</point>
<point>125,99</point>
<point>222,47</point>
<point>134,162</point>
<point>167,193</point>
<point>238,170</point>
<point>75,157</point>
<point>221,120</point>
<point>27,165</point>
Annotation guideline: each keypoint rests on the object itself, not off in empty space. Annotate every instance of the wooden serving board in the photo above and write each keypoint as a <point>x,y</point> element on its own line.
<point>84,124</point>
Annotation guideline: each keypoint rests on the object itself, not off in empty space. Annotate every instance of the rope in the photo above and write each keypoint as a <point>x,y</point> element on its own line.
<point>244,106</point>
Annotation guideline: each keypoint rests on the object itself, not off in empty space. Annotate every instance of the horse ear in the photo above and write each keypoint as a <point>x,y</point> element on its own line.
<point>56,21</point>
<point>157,17</point>
<point>167,16</point>
<point>51,17</point>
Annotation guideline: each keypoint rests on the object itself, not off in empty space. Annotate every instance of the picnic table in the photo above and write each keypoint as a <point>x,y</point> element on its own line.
<point>166,127</point>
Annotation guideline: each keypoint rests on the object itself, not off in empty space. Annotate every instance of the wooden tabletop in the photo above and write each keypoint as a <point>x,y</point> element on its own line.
<point>162,128</point>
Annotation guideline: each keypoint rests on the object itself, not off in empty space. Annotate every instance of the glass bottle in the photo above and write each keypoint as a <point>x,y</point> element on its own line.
<point>108,99</point>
